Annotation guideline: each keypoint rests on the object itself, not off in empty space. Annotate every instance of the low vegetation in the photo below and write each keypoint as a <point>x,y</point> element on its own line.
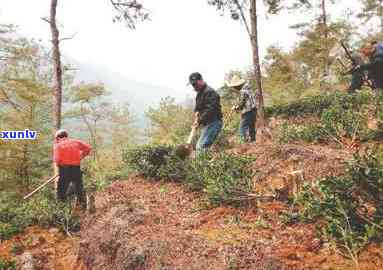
<point>224,178</point>
<point>6,264</point>
<point>347,208</point>
<point>339,116</point>
<point>41,210</point>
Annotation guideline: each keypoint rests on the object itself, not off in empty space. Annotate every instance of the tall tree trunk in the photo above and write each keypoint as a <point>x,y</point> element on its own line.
<point>57,70</point>
<point>324,19</point>
<point>256,63</point>
<point>326,37</point>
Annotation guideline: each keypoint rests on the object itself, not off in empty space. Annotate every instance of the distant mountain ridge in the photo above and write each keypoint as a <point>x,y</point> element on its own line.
<point>140,96</point>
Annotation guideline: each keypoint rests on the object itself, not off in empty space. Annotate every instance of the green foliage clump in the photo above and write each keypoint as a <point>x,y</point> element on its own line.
<point>350,206</point>
<point>6,264</point>
<point>301,107</point>
<point>157,162</point>
<point>316,105</point>
<point>41,210</point>
<point>25,103</point>
<point>225,178</point>
<point>308,133</point>
<point>346,116</point>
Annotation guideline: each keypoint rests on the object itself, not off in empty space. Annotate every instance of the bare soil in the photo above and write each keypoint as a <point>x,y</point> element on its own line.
<point>142,224</point>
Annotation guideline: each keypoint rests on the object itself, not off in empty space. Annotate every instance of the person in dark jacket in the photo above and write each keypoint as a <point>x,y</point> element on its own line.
<point>208,112</point>
<point>374,51</point>
<point>247,106</point>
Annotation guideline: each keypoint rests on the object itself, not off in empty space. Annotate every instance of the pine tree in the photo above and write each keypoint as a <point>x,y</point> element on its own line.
<point>237,11</point>
<point>92,108</point>
<point>24,99</point>
<point>170,123</point>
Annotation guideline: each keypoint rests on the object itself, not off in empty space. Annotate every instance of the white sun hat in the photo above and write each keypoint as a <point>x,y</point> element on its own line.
<point>236,81</point>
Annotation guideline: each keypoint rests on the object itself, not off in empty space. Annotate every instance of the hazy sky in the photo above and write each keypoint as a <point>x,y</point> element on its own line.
<point>183,36</point>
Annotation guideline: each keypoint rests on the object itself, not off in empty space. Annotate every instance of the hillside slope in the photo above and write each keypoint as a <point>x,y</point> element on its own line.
<point>309,199</point>
<point>141,224</point>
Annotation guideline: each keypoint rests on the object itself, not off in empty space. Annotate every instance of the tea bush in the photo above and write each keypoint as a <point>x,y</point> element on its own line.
<point>350,205</point>
<point>6,264</point>
<point>302,107</point>
<point>316,105</point>
<point>225,178</point>
<point>339,121</point>
<point>345,116</point>
<point>308,133</point>
<point>41,210</point>
<point>155,161</point>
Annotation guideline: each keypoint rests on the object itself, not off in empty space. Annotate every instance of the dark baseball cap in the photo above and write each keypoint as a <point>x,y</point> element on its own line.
<point>195,76</point>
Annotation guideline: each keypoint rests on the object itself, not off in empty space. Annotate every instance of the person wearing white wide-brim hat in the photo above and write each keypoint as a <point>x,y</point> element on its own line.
<point>247,106</point>
<point>236,82</point>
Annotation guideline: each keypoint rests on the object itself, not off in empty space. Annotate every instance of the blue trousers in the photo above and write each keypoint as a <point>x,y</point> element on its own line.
<point>247,126</point>
<point>208,134</point>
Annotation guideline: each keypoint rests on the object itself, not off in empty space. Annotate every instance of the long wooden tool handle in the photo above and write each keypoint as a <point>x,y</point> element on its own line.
<point>343,64</point>
<point>348,53</point>
<point>41,186</point>
<point>191,135</point>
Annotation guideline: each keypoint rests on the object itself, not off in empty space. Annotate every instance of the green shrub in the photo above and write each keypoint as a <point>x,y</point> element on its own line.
<point>345,116</point>
<point>301,107</point>
<point>173,168</point>
<point>41,210</point>
<point>339,121</point>
<point>308,133</point>
<point>6,264</point>
<point>195,172</point>
<point>157,162</point>
<point>350,206</point>
<point>225,178</point>
<point>317,104</point>
<point>8,230</point>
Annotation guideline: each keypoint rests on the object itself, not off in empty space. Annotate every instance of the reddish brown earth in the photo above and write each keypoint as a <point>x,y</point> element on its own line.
<point>141,224</point>
<point>50,249</point>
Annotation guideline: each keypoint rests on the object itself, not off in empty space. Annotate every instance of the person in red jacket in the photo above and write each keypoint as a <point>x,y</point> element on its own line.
<point>67,155</point>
